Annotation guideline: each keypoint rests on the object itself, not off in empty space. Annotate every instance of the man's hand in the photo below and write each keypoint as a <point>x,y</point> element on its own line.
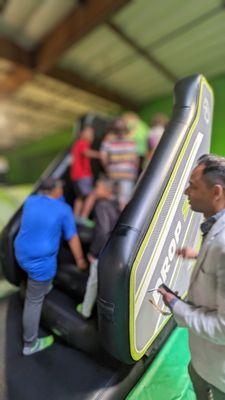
<point>187,252</point>
<point>167,296</point>
<point>102,190</point>
<point>91,258</point>
<point>82,264</point>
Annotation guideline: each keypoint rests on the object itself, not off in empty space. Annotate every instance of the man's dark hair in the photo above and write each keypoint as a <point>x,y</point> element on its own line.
<point>210,159</point>
<point>49,184</point>
<point>214,169</point>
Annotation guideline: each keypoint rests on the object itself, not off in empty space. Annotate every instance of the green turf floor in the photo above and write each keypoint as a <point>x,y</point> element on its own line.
<point>167,377</point>
<point>10,200</point>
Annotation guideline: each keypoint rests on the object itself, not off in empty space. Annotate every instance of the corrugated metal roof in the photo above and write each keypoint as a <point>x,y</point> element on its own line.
<point>151,43</point>
<point>149,21</point>
<point>97,52</point>
<point>28,21</point>
<point>146,83</point>
<point>104,57</point>
<point>194,49</point>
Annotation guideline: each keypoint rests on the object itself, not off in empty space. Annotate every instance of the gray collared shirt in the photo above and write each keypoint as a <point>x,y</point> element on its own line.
<point>209,222</point>
<point>205,228</point>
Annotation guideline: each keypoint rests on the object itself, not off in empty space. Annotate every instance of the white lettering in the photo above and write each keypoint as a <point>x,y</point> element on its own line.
<point>206,110</point>
<point>172,250</point>
<point>177,232</point>
<point>165,269</point>
<point>167,262</point>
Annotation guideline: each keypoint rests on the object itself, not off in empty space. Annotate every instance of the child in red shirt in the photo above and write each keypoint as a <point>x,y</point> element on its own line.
<point>80,171</point>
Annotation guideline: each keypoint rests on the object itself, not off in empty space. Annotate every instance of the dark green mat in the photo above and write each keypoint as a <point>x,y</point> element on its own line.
<point>167,377</point>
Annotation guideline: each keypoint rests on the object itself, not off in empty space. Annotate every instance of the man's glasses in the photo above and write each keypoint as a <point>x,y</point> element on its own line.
<point>156,307</point>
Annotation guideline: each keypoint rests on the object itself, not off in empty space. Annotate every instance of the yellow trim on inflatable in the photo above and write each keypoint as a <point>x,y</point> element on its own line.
<point>136,354</point>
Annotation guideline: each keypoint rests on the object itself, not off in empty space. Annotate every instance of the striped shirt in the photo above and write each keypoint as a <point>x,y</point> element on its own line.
<point>122,159</point>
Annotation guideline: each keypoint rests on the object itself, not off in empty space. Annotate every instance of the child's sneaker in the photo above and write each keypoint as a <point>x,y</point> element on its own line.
<point>39,345</point>
<point>79,308</point>
<point>88,223</point>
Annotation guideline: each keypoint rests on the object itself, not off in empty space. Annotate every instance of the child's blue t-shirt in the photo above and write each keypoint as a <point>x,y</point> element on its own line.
<point>44,222</point>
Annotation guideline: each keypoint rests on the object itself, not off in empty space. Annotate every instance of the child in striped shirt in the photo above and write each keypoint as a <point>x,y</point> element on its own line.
<point>120,160</point>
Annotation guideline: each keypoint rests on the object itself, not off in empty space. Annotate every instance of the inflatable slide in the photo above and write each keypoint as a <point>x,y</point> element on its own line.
<point>112,349</point>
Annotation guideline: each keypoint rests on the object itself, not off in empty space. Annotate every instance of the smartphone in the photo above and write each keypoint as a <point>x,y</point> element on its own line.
<point>168,289</point>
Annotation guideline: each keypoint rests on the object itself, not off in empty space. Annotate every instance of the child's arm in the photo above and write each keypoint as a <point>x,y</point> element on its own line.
<point>92,153</point>
<point>104,158</point>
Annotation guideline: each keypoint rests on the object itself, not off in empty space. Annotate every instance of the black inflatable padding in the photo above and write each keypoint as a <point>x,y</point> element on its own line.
<point>125,315</point>
<point>72,281</point>
<point>10,268</point>
<point>115,269</point>
<point>60,314</point>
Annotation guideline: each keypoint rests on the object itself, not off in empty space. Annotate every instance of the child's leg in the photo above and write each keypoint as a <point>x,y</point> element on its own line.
<point>125,191</point>
<point>91,290</point>
<point>77,206</point>
<point>84,188</point>
<point>88,204</point>
<point>78,202</point>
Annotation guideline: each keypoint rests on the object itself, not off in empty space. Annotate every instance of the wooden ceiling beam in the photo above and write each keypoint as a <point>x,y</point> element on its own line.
<point>145,54</point>
<point>14,53</point>
<point>77,81</point>
<point>19,75</point>
<point>21,69</point>
<point>15,77</point>
<point>79,23</point>
<point>84,18</point>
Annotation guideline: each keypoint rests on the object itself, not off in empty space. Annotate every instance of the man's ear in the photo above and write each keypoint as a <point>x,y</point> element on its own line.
<point>218,191</point>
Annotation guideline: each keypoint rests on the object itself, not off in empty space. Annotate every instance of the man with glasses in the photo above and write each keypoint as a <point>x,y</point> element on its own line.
<point>204,311</point>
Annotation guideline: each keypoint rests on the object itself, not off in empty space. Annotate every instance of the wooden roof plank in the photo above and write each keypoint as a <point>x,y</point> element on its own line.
<point>84,18</point>
<point>14,53</point>
<point>14,79</point>
<point>146,54</point>
<point>76,80</point>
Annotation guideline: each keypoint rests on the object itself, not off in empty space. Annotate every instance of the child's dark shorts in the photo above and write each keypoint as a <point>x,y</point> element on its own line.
<point>83,187</point>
